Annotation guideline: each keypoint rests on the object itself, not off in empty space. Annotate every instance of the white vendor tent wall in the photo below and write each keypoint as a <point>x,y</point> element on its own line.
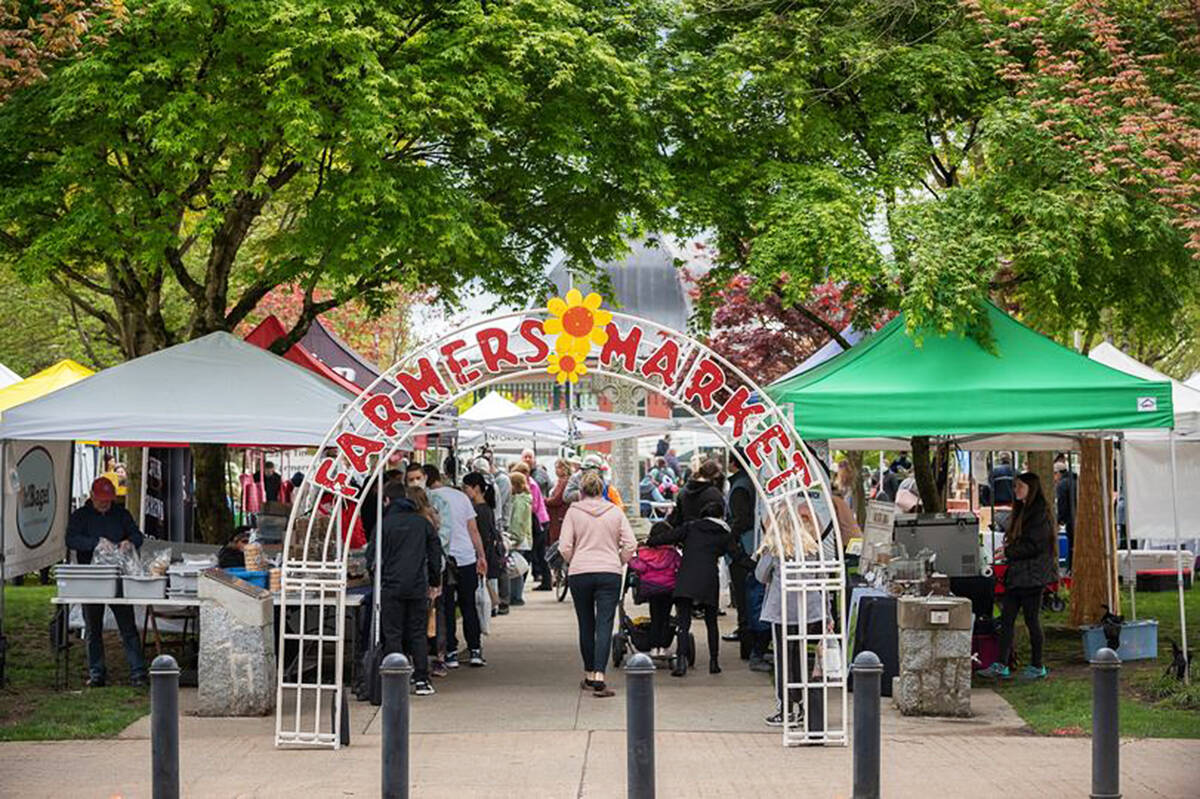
<point>215,390</point>
<point>1151,517</point>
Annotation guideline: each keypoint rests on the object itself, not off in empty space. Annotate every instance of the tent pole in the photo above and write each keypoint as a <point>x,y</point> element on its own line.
<point>3,533</point>
<point>1179,559</point>
<point>145,479</point>
<point>1106,520</point>
<point>1130,572</point>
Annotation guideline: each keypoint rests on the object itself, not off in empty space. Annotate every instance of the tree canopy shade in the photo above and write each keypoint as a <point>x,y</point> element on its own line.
<point>888,386</point>
<point>212,150</point>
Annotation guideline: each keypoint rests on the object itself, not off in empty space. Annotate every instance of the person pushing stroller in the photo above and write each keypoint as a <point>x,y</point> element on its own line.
<point>697,584</point>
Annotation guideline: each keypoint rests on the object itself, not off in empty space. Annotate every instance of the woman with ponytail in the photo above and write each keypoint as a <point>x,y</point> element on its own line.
<point>1030,551</point>
<point>482,494</point>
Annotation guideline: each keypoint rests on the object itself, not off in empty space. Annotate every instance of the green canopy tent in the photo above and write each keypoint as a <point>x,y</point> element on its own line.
<point>1023,392</point>
<point>888,386</point>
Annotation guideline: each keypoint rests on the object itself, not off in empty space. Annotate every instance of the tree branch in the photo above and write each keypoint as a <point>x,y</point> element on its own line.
<point>91,310</point>
<point>816,319</point>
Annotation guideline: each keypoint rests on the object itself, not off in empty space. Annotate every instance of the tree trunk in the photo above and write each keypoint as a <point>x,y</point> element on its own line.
<point>927,488</point>
<point>213,518</point>
<point>132,458</point>
<point>859,499</point>
<point>1042,464</point>
<point>1092,570</point>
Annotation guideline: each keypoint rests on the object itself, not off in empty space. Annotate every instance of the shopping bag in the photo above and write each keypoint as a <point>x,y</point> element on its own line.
<point>483,606</point>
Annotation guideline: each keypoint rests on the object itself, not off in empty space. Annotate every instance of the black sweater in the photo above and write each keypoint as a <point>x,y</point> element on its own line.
<point>87,526</point>
<point>411,558</point>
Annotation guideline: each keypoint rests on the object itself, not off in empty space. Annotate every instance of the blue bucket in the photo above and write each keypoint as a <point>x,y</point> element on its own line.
<point>1139,640</point>
<point>254,578</point>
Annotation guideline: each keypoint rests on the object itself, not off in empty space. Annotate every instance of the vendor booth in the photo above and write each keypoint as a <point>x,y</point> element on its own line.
<point>215,389</point>
<point>1022,391</point>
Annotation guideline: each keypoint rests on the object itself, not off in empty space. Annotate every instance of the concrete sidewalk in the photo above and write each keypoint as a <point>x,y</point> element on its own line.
<point>522,727</point>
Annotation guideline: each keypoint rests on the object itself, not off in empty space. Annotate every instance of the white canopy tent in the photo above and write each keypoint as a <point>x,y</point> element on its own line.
<point>8,376</point>
<point>215,390</point>
<point>500,421</point>
<point>1151,514</point>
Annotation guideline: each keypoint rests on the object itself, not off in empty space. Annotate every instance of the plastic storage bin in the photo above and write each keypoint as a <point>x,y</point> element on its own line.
<point>144,587</point>
<point>87,581</point>
<point>1139,640</point>
<point>254,578</point>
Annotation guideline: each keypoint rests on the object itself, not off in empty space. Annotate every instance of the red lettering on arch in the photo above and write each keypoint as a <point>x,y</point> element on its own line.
<point>617,347</point>
<point>457,366</point>
<point>735,408</point>
<point>758,449</point>
<point>337,483</point>
<point>532,331</point>
<point>357,449</point>
<point>708,378</point>
<point>382,413</point>
<point>425,381</point>
<point>663,363</point>
<point>493,346</point>
<point>799,467</point>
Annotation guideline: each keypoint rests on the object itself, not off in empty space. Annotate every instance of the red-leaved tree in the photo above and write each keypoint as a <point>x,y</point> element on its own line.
<point>34,35</point>
<point>379,335</point>
<point>763,336</point>
<point>1120,95</point>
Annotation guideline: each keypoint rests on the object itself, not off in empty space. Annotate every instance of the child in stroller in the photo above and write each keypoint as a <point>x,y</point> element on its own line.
<point>651,575</point>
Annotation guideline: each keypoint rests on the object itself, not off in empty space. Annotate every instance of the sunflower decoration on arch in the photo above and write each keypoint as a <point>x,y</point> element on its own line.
<point>579,322</point>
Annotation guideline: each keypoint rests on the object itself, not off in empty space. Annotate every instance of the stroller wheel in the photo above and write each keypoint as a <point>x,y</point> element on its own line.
<point>618,650</point>
<point>691,649</point>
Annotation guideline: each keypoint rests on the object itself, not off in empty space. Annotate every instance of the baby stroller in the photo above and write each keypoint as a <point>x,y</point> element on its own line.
<point>648,574</point>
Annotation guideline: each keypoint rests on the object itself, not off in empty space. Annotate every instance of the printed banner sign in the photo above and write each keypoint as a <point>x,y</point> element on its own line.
<point>37,502</point>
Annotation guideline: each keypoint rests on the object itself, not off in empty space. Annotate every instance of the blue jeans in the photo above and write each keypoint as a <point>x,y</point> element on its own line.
<point>595,595</point>
<point>93,616</point>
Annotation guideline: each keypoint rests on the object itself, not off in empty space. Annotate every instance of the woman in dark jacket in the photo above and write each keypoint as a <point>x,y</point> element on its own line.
<point>707,485</point>
<point>697,584</point>
<point>1030,551</point>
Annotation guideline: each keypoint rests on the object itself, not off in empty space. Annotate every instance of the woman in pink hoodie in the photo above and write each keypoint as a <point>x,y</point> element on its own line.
<point>596,541</point>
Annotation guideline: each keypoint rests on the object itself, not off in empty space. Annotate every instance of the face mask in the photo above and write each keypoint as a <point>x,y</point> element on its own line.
<point>419,482</point>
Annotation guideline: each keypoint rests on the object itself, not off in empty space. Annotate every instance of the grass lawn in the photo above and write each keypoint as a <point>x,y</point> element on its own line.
<point>1151,706</point>
<point>30,708</point>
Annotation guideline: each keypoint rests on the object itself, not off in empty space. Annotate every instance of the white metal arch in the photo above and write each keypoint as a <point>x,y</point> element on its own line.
<point>791,484</point>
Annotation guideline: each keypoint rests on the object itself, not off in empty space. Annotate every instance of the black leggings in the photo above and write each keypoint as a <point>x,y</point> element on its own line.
<point>1029,602</point>
<point>683,625</point>
<point>660,621</point>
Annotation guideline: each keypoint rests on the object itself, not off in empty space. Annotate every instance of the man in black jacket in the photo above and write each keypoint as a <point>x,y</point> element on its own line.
<point>410,564</point>
<point>100,517</point>
<point>740,515</point>
<point>1066,498</point>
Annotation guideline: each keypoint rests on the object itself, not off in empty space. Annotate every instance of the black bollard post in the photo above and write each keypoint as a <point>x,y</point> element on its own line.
<point>395,673</point>
<point>639,726</point>
<point>164,727</point>
<point>1106,735</point>
<point>868,670</point>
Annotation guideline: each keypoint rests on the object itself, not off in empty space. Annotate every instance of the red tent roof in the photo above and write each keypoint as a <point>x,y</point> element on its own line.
<point>271,329</point>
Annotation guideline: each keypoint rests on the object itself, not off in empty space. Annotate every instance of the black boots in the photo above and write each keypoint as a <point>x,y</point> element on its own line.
<point>713,666</point>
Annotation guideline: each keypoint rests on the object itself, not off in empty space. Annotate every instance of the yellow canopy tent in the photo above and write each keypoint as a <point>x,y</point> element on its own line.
<point>60,375</point>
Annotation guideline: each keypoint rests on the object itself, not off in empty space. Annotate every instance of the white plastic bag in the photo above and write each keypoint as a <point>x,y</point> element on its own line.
<point>831,655</point>
<point>483,606</point>
<point>518,566</point>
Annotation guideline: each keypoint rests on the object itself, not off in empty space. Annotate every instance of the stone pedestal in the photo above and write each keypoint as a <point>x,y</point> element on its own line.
<point>237,649</point>
<point>935,656</point>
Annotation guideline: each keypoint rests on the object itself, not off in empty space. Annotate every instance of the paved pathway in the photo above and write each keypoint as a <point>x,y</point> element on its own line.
<point>521,727</point>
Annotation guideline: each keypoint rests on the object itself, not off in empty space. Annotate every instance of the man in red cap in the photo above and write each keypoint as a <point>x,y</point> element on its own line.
<point>100,518</point>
